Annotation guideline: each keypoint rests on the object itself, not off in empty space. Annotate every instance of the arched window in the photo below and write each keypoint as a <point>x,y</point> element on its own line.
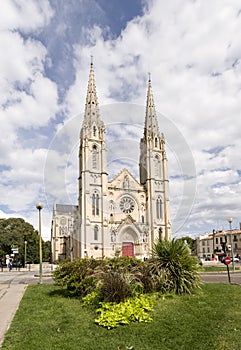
<point>95,204</point>
<point>159,208</point>
<point>156,165</point>
<point>96,231</point>
<point>94,130</point>
<point>94,157</point>
<point>142,219</point>
<point>155,141</point>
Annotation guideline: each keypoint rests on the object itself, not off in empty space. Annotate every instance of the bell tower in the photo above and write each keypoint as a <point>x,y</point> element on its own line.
<point>153,174</point>
<point>93,177</point>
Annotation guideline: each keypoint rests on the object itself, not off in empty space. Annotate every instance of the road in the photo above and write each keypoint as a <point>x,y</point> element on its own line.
<point>221,277</point>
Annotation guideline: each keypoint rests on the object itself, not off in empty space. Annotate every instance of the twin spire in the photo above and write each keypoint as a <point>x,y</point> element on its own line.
<point>92,113</point>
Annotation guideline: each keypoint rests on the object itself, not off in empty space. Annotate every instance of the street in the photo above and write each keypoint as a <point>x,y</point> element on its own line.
<point>24,276</point>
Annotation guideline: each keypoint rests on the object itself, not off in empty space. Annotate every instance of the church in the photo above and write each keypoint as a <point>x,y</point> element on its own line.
<point>120,216</point>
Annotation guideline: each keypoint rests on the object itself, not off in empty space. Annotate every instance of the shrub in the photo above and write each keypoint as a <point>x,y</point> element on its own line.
<point>114,287</point>
<point>173,258</point>
<point>78,276</point>
<point>132,310</point>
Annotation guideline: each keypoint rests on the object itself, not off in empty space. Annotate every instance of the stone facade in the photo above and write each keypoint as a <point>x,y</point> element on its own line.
<point>121,216</point>
<point>211,245</point>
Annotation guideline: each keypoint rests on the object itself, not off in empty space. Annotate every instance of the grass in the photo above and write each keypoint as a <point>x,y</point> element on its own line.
<point>209,319</point>
<point>218,268</point>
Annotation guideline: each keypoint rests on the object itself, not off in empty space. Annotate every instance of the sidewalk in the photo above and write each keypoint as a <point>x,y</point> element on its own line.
<point>10,297</point>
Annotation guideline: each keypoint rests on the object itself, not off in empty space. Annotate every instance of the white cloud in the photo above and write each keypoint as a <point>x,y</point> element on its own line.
<point>26,16</point>
<point>193,53</point>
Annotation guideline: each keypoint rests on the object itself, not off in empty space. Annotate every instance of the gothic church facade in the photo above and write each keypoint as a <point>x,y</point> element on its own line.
<point>122,216</point>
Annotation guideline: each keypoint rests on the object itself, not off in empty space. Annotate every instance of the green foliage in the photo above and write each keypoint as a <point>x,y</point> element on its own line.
<point>114,287</point>
<point>131,310</point>
<point>82,276</point>
<point>180,267</point>
<point>208,319</point>
<point>190,242</point>
<point>14,232</point>
<point>91,299</point>
<point>79,277</point>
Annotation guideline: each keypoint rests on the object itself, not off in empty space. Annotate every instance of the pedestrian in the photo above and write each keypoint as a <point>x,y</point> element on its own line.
<point>10,265</point>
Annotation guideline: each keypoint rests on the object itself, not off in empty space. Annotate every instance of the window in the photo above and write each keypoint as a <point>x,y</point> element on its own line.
<point>159,208</point>
<point>155,141</point>
<point>156,165</point>
<point>94,157</point>
<point>94,130</point>
<point>216,240</point>
<point>142,219</point>
<point>160,233</point>
<point>96,231</point>
<point>95,203</point>
<point>127,204</point>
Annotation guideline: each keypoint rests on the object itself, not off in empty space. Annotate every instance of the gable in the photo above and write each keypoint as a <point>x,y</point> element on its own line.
<point>125,181</point>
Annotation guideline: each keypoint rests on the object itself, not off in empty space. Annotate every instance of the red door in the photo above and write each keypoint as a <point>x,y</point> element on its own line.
<point>128,249</point>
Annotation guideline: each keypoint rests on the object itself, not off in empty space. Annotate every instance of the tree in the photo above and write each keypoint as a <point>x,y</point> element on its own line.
<point>190,242</point>
<point>14,232</point>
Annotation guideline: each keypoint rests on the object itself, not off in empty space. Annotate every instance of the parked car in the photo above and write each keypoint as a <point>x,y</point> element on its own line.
<point>235,259</point>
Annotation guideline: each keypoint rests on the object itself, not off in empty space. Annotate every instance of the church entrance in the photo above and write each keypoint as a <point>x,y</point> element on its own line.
<point>128,249</point>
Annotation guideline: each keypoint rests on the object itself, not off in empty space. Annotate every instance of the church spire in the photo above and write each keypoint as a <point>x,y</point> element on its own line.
<point>151,123</point>
<point>92,113</point>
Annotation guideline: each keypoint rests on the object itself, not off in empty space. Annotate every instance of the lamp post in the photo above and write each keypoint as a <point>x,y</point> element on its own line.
<point>25,252</point>
<point>40,206</point>
<point>230,220</point>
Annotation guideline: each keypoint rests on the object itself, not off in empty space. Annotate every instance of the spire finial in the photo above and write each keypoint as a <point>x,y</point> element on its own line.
<point>91,60</point>
<point>149,75</point>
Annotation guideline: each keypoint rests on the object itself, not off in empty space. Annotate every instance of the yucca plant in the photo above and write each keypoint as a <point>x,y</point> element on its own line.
<point>179,265</point>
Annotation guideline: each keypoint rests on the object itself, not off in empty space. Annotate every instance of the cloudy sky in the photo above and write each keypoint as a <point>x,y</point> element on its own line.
<point>192,49</point>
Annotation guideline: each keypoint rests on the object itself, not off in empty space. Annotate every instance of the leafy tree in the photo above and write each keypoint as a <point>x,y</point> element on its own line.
<point>14,232</point>
<point>190,242</point>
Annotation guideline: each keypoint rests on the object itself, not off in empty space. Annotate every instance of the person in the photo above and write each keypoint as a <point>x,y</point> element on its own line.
<point>10,265</point>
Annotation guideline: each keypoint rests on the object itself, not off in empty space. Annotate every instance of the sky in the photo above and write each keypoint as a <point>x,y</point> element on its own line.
<point>192,49</point>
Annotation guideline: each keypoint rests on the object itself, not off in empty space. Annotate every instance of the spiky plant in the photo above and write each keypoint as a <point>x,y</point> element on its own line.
<point>180,266</point>
<point>114,287</point>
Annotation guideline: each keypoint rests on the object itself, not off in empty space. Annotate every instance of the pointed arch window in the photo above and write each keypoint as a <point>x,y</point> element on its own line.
<point>95,204</point>
<point>95,157</point>
<point>156,165</point>
<point>159,208</point>
<point>96,233</point>
<point>155,141</point>
<point>94,130</point>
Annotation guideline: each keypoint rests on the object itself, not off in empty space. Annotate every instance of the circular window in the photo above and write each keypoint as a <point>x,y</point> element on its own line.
<point>127,205</point>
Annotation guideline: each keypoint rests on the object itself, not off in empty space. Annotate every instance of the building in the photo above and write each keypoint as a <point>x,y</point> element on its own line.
<point>121,216</point>
<point>62,231</point>
<point>219,243</point>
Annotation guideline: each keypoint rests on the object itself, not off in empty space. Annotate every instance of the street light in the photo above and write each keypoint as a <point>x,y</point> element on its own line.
<point>40,206</point>
<point>230,220</point>
<point>25,252</point>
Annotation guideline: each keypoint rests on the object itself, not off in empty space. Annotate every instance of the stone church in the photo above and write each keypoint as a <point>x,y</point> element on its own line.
<point>121,216</point>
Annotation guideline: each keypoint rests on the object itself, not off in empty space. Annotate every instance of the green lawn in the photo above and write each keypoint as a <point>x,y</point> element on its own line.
<point>210,319</point>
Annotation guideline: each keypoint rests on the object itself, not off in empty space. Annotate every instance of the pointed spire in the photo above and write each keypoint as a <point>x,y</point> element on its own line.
<point>92,113</point>
<point>151,123</point>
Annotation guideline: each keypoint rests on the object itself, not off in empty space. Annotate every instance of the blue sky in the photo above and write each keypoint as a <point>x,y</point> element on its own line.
<point>192,50</point>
